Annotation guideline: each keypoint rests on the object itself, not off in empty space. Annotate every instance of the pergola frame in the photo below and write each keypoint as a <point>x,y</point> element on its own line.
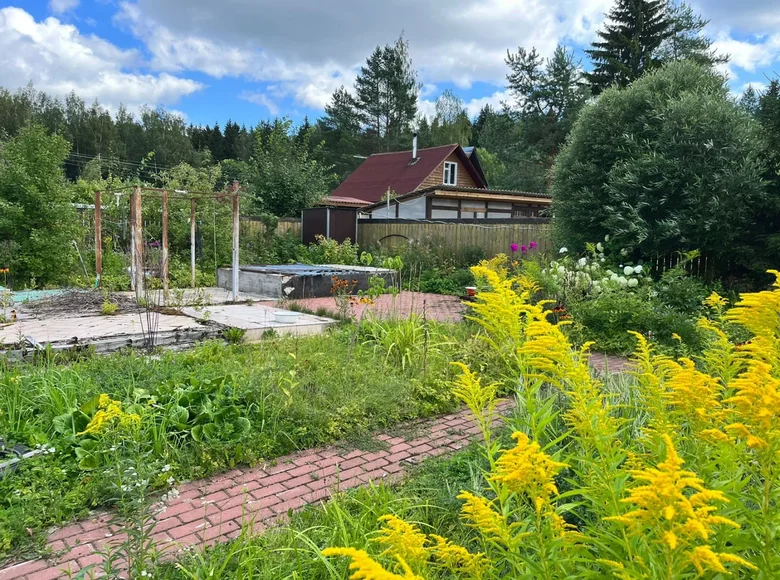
<point>137,274</point>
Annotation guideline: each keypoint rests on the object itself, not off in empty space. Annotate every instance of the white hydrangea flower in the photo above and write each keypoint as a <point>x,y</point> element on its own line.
<point>600,247</point>
<point>633,283</point>
<point>623,281</point>
<point>563,250</point>
<point>638,269</point>
<point>582,261</point>
<point>614,277</point>
<point>606,238</point>
<point>624,252</point>
<point>628,270</point>
<point>561,270</point>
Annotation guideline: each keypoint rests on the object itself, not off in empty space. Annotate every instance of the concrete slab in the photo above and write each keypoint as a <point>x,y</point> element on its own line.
<point>201,296</point>
<point>256,319</point>
<point>86,329</point>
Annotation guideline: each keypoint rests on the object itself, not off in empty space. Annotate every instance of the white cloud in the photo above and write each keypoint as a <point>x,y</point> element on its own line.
<point>308,49</point>
<point>60,6</point>
<point>427,107</point>
<point>261,99</point>
<point>58,59</point>
<point>747,55</point>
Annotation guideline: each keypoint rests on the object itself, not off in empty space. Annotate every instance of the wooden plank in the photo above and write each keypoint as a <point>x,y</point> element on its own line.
<point>138,242</point>
<point>164,272</point>
<point>192,241</point>
<point>98,239</point>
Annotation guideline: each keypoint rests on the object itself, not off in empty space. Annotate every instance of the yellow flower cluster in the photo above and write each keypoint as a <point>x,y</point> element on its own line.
<point>663,511</point>
<point>365,568</point>
<point>478,513</point>
<point>403,540</point>
<point>527,470</point>
<point>757,406</point>
<point>459,559</point>
<point>692,395</point>
<point>406,544</point>
<point>110,413</point>
<point>758,311</point>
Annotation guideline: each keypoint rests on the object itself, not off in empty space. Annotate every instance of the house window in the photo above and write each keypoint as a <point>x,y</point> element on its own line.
<point>450,173</point>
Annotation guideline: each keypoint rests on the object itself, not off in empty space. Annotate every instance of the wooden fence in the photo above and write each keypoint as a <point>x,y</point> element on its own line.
<point>252,226</point>
<point>494,236</point>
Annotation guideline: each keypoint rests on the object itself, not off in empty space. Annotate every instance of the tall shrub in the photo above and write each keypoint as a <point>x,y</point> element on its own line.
<point>37,220</point>
<point>669,163</point>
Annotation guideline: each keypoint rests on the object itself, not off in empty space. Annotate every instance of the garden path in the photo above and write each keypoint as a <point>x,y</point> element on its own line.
<point>215,509</point>
<point>437,307</point>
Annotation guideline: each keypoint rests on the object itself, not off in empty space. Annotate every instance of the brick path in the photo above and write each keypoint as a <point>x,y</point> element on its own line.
<point>213,510</point>
<point>437,306</point>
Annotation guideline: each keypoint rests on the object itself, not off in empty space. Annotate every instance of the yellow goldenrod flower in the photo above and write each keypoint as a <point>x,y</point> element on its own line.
<point>720,359</point>
<point>756,404</point>
<point>526,469</point>
<point>459,559</point>
<point>479,514</point>
<point>716,302</point>
<point>693,396</point>
<point>403,540</point>
<point>365,568</point>
<point>666,511</point>
<point>108,411</point>
<point>479,398</point>
<point>758,311</point>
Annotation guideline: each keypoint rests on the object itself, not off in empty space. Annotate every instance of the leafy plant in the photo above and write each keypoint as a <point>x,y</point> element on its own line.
<point>234,335</point>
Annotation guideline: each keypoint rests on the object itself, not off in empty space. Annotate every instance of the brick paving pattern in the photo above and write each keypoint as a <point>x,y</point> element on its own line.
<point>215,509</point>
<point>437,306</point>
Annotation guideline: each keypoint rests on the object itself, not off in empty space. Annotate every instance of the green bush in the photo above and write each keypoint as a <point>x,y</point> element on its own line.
<point>669,163</point>
<point>607,318</point>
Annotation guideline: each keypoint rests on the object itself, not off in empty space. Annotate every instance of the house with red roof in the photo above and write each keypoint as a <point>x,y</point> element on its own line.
<point>437,183</point>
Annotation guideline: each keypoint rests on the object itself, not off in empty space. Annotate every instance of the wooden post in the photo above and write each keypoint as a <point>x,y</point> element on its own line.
<point>132,241</point>
<point>236,224</point>
<point>192,240</point>
<point>164,272</point>
<point>98,240</point>
<point>138,242</point>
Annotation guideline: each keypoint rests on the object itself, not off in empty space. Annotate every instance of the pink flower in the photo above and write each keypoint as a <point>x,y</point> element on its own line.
<point>524,249</point>
<point>514,247</point>
<point>533,245</point>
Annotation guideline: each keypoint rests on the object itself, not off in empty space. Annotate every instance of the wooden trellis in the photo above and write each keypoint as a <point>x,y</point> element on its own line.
<point>137,273</point>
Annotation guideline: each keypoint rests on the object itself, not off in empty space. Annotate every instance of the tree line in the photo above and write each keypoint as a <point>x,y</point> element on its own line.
<point>285,167</point>
<point>519,140</point>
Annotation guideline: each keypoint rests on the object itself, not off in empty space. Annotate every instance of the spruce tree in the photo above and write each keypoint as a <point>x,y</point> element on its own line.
<point>629,41</point>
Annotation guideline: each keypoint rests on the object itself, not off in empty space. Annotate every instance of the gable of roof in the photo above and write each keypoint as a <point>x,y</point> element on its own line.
<point>396,170</point>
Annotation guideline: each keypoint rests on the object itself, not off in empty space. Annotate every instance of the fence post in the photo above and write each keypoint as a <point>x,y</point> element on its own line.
<point>98,240</point>
<point>236,226</point>
<point>164,272</point>
<point>138,242</point>
<point>192,240</point>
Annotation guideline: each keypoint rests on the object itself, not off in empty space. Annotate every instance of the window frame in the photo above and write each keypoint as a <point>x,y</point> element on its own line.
<point>453,173</point>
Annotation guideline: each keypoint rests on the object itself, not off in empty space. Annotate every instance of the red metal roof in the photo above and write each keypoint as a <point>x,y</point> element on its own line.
<point>371,179</point>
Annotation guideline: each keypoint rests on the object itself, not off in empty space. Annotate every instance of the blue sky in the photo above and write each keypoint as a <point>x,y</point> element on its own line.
<point>247,60</point>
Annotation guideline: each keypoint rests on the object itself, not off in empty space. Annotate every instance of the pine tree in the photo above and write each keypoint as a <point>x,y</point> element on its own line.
<point>386,94</point>
<point>687,40</point>
<point>749,100</point>
<point>629,41</point>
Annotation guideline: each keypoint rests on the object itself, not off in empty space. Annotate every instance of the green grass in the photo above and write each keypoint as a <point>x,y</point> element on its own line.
<point>207,410</point>
<point>350,519</point>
